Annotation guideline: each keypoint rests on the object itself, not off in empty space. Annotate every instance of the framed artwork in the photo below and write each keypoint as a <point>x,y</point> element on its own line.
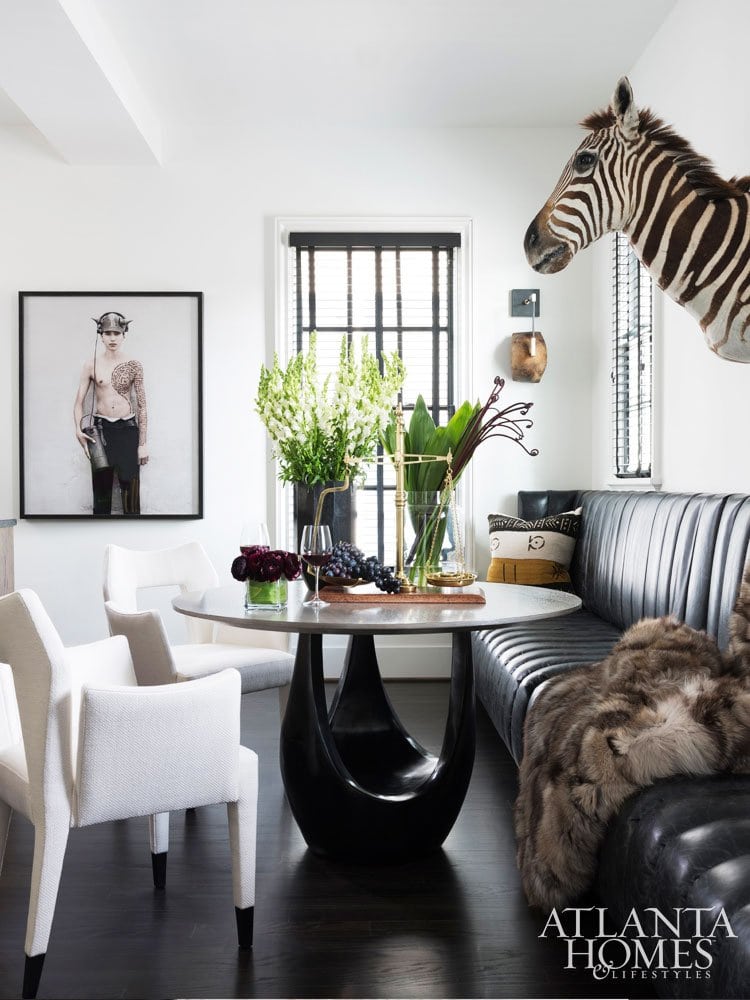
<point>110,398</point>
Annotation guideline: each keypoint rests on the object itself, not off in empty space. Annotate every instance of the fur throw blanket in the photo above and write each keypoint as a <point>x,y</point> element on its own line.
<point>665,702</point>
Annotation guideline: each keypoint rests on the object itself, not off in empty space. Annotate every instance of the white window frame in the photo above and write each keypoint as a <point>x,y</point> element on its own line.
<point>654,481</point>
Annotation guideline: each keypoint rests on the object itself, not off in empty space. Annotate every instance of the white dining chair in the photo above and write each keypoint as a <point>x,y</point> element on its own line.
<point>262,659</point>
<point>83,744</point>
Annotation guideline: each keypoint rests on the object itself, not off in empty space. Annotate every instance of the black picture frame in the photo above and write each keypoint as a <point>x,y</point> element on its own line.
<point>57,334</point>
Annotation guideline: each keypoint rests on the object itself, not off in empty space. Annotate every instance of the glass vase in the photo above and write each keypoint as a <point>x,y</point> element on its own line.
<point>433,537</point>
<point>263,595</point>
<point>424,542</point>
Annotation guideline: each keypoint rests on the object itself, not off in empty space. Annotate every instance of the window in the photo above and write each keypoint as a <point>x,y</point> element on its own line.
<point>632,363</point>
<point>398,290</point>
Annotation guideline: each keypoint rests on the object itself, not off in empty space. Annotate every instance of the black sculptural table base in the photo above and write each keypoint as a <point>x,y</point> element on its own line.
<point>360,787</point>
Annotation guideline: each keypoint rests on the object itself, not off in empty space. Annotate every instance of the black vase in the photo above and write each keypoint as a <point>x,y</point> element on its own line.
<point>338,510</point>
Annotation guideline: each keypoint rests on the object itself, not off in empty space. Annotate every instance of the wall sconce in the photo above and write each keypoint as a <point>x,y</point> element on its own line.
<point>528,351</point>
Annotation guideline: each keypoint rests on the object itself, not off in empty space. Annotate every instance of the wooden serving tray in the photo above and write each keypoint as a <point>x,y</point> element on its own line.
<point>370,594</point>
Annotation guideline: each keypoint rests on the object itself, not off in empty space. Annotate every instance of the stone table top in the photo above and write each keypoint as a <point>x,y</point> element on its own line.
<point>505,603</point>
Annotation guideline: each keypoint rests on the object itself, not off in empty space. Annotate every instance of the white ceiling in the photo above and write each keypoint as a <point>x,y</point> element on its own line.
<point>111,80</point>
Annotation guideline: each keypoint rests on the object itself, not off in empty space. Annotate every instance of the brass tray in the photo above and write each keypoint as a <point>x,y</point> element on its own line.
<point>450,579</point>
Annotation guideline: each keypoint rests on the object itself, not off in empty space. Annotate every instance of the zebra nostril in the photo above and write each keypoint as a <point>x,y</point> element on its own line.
<point>532,236</point>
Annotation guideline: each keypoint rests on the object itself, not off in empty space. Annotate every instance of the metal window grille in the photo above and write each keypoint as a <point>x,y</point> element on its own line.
<point>632,363</point>
<point>398,290</point>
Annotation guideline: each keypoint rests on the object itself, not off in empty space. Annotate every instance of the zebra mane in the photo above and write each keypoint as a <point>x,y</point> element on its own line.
<point>698,169</point>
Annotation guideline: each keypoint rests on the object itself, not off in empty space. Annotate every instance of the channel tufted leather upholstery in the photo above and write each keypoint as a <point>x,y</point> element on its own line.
<point>639,555</point>
<point>512,664</point>
<point>683,842</point>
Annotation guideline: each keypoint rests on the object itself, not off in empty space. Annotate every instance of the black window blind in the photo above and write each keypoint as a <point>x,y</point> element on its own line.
<point>398,290</point>
<point>632,363</point>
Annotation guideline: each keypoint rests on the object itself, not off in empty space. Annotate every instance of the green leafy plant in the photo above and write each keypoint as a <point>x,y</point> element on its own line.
<point>425,482</point>
<point>465,431</point>
<point>324,428</point>
<point>423,437</point>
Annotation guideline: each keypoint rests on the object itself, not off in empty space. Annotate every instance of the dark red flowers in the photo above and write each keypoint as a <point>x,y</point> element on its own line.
<point>266,565</point>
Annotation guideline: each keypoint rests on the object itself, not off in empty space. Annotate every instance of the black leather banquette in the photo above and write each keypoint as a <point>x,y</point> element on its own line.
<point>683,842</point>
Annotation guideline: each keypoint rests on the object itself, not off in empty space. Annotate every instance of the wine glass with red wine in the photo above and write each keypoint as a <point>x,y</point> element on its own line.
<point>315,548</point>
<point>254,533</point>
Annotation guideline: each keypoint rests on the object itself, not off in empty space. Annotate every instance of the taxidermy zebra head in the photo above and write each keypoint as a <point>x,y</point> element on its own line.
<point>688,226</point>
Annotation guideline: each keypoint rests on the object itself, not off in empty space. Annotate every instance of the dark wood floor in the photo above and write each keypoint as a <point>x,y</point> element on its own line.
<point>452,925</point>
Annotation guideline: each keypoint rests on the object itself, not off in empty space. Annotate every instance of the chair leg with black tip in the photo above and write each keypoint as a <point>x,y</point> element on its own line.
<point>50,841</point>
<point>158,832</point>
<point>32,973</point>
<point>159,869</point>
<point>243,815</point>
<point>245,927</point>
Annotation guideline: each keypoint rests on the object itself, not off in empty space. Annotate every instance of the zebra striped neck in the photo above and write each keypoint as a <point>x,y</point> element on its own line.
<point>697,249</point>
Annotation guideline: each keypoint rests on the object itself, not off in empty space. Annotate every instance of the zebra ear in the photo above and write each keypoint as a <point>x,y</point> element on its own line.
<point>624,109</point>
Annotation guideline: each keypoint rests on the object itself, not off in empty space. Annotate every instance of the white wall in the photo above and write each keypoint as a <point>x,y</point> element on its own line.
<point>204,223</point>
<point>693,75</point>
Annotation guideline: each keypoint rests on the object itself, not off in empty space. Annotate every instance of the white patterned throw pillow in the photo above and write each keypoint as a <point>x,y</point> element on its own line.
<point>533,552</point>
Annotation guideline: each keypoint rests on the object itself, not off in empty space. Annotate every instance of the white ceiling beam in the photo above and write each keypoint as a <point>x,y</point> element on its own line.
<point>62,66</point>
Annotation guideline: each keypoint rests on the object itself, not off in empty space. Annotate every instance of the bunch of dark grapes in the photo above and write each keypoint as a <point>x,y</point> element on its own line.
<point>349,562</point>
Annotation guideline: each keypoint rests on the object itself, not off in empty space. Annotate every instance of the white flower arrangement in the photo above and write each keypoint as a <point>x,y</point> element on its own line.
<point>325,428</point>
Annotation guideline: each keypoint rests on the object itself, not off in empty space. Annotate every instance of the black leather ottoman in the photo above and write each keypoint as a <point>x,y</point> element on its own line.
<point>685,843</point>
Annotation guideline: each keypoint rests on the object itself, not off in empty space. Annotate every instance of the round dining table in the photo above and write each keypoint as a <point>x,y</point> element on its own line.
<point>360,787</point>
